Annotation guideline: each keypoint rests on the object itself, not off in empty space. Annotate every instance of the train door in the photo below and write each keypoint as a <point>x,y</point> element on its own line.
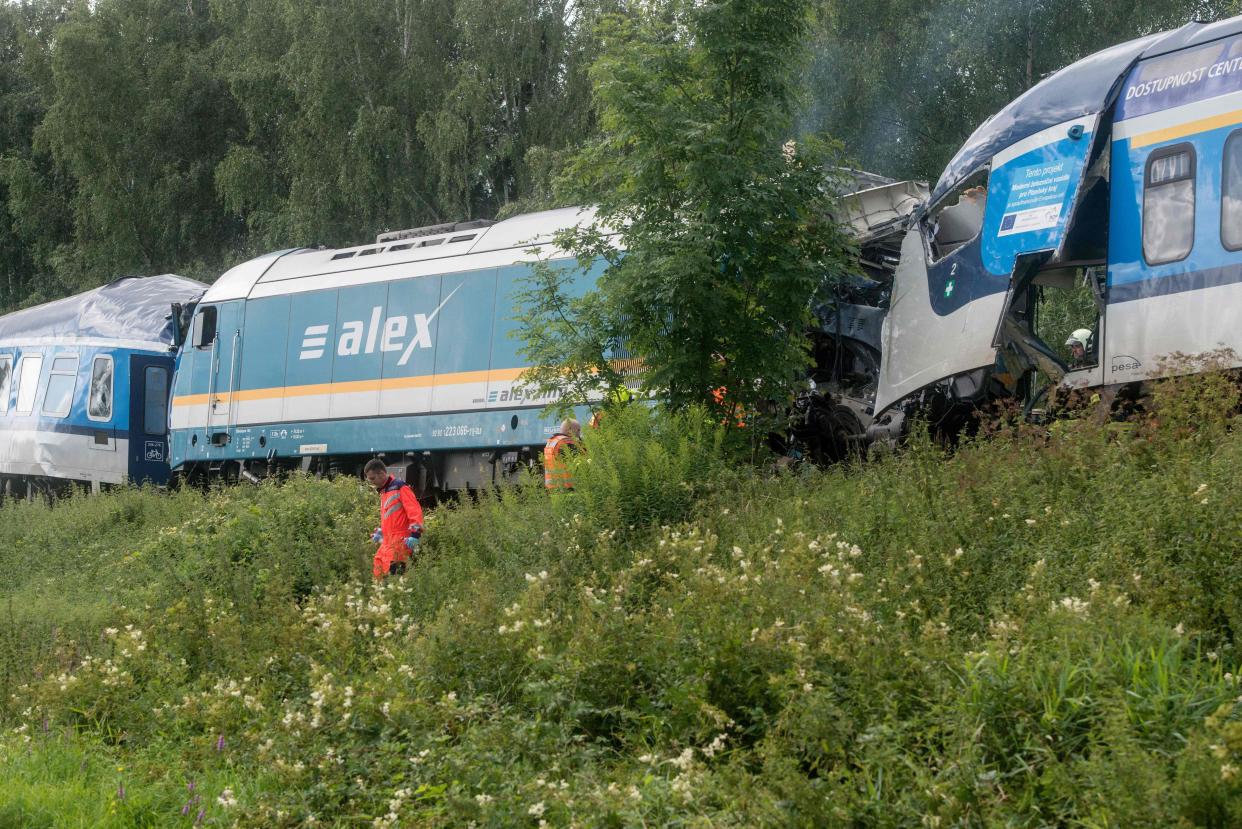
<point>149,384</point>
<point>224,370</point>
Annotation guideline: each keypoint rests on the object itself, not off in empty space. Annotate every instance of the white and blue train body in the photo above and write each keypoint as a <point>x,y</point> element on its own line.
<point>1122,172</point>
<point>84,386</point>
<point>321,359</point>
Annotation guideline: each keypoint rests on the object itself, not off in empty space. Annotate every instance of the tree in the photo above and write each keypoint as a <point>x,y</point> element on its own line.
<point>904,83</point>
<point>726,222</point>
<point>34,195</point>
<point>366,116</point>
<point>137,121</point>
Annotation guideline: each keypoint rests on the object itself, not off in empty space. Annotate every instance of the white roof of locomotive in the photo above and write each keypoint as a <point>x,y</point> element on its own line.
<point>307,269</point>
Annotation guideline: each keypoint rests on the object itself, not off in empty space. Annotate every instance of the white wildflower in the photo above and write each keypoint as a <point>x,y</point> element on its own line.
<point>684,760</point>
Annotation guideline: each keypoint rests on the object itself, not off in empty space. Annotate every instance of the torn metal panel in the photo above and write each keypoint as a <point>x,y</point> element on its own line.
<point>924,342</point>
<point>877,212</point>
<point>130,309</point>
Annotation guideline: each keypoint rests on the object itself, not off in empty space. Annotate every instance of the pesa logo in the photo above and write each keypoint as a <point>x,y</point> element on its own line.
<point>388,334</point>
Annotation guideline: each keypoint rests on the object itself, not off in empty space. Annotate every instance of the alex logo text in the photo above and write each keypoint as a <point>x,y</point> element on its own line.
<point>398,333</point>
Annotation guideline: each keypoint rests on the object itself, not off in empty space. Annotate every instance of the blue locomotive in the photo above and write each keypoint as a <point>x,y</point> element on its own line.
<point>321,359</point>
<point>84,386</point>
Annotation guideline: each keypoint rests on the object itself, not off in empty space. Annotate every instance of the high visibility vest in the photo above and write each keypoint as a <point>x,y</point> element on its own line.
<point>555,470</point>
<point>718,395</point>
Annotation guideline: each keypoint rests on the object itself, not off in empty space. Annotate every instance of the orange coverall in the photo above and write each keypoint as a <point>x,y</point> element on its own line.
<point>555,471</point>
<point>401,516</point>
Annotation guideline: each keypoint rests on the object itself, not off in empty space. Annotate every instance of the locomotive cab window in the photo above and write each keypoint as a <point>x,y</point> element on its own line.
<point>28,382</point>
<point>1231,194</point>
<point>958,218</point>
<point>99,405</point>
<point>155,409</point>
<point>6,381</point>
<point>205,327</point>
<point>1169,205</point>
<point>62,381</point>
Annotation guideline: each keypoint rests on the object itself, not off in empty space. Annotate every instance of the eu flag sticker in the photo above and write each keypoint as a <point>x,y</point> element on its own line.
<point>1007,222</point>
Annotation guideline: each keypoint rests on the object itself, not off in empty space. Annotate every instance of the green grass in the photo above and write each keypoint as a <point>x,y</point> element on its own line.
<point>1037,630</point>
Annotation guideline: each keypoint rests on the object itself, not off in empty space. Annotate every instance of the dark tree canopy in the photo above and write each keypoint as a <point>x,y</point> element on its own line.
<point>139,136</point>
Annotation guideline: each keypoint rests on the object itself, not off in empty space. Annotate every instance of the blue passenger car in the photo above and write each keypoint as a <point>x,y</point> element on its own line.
<point>1121,176</point>
<point>321,359</point>
<point>84,385</point>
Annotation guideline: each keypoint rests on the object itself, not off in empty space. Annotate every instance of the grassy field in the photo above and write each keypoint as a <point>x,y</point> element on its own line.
<point>1036,630</point>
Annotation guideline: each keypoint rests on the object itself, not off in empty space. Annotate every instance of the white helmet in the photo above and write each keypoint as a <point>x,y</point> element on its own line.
<point>1079,337</point>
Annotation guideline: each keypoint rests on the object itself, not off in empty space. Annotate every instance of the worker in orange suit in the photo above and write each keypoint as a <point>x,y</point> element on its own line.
<point>719,397</point>
<point>401,521</point>
<point>556,475</point>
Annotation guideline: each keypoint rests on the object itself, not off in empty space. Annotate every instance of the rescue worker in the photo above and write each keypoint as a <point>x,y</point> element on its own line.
<point>556,475</point>
<point>401,520</point>
<point>1079,345</point>
<point>617,398</point>
<point>720,398</point>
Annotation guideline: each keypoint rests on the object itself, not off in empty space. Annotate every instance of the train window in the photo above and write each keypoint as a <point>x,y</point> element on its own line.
<point>205,327</point>
<point>1231,194</point>
<point>99,405</point>
<point>958,218</point>
<point>6,381</point>
<point>62,382</point>
<point>28,382</point>
<point>155,409</point>
<point>1169,205</point>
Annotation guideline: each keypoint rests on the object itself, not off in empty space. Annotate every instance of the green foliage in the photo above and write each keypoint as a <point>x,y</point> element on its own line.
<point>138,120</point>
<point>1035,630</point>
<point>725,219</point>
<point>903,83</point>
<point>569,336</point>
<point>148,135</point>
<point>145,135</point>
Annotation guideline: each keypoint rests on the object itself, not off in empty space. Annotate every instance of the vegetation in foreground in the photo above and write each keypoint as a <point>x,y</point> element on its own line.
<point>1037,630</point>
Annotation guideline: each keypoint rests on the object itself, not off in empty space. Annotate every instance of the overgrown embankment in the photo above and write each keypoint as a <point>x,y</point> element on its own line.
<point>1037,630</point>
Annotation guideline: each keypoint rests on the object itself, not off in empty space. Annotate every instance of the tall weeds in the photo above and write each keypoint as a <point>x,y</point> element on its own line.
<point>1037,629</point>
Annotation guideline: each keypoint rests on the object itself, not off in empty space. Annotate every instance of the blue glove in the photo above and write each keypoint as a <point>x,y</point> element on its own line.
<point>377,536</point>
<point>412,543</point>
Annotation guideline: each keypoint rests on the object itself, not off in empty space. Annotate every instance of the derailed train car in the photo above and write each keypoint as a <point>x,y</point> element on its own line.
<point>320,359</point>
<point>84,384</point>
<point>1120,174</point>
